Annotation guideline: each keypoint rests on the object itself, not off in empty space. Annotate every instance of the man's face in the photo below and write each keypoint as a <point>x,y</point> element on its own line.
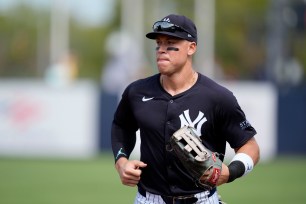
<point>172,53</point>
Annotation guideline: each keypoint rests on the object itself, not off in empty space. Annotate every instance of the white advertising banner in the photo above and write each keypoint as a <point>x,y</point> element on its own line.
<point>258,100</point>
<point>39,120</point>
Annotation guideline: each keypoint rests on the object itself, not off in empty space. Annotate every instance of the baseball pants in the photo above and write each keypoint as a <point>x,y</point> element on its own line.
<point>157,199</point>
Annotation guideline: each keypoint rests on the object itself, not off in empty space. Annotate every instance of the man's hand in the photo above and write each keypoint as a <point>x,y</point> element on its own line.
<point>224,175</point>
<point>222,178</point>
<point>129,171</point>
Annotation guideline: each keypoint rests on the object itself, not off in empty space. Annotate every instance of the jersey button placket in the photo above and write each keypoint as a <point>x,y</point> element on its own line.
<point>171,102</point>
<point>171,112</point>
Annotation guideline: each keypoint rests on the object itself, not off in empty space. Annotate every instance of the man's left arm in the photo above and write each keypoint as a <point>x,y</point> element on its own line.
<point>246,157</point>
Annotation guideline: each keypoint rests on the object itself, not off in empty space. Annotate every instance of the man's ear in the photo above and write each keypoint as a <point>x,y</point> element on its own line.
<point>192,48</point>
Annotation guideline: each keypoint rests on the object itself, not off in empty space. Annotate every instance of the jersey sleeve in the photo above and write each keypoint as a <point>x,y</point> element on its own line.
<point>124,127</point>
<point>232,122</point>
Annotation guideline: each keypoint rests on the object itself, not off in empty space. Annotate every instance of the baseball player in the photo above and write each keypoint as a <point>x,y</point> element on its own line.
<point>161,104</point>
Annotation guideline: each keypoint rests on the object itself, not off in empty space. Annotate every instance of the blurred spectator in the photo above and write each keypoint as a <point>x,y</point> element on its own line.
<point>62,73</point>
<point>124,65</point>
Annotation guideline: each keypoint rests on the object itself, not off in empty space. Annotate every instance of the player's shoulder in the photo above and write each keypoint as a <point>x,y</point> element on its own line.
<point>217,93</point>
<point>213,86</point>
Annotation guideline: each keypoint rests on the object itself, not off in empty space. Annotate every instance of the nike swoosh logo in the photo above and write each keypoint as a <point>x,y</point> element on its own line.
<point>144,99</point>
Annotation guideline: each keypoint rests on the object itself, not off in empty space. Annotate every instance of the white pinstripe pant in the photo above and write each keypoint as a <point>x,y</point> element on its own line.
<point>157,199</point>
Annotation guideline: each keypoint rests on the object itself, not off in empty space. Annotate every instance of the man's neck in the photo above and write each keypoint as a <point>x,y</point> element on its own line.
<point>179,82</point>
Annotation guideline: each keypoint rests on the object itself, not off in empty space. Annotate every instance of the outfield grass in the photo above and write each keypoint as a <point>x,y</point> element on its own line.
<point>281,181</point>
<point>37,181</point>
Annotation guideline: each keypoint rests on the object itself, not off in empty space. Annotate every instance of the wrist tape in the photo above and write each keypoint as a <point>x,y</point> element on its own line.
<point>240,165</point>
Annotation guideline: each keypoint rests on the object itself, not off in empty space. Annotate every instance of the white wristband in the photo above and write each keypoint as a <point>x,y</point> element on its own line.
<point>246,160</point>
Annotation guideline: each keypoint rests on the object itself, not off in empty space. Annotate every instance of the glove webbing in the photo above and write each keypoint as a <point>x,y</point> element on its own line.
<point>195,147</point>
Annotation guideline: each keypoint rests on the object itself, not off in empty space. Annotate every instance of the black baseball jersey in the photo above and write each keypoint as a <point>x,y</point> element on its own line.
<point>207,106</point>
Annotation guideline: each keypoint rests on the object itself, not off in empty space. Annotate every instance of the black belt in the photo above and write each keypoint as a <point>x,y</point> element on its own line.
<point>189,199</point>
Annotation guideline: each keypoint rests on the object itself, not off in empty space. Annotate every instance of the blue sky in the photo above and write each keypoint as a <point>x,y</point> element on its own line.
<point>92,12</point>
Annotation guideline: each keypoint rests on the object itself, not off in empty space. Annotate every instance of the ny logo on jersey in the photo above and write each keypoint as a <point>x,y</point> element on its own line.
<point>197,123</point>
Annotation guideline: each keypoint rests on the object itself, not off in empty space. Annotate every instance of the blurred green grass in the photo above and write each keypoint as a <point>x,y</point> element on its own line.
<point>60,181</point>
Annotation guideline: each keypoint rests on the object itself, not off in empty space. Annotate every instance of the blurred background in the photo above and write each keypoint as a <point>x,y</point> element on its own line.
<point>65,63</point>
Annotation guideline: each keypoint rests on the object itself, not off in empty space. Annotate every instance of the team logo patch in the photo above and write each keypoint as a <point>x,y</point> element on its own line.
<point>196,123</point>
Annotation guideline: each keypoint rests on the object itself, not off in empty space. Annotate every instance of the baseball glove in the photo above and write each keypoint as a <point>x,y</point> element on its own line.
<point>202,164</point>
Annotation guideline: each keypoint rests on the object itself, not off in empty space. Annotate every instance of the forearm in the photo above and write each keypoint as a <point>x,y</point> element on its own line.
<point>251,150</point>
<point>123,142</point>
<point>245,159</point>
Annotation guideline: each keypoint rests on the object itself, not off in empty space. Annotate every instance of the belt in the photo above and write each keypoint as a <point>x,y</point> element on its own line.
<point>188,199</point>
